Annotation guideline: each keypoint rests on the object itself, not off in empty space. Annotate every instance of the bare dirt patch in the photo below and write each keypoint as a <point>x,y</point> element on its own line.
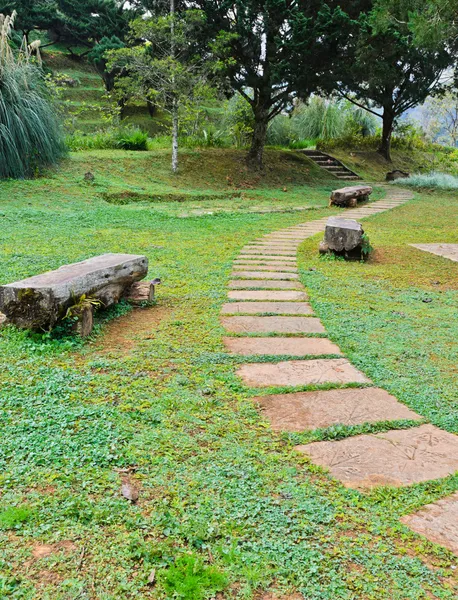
<point>123,334</point>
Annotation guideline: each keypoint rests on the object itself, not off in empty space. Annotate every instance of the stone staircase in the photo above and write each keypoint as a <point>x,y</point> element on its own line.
<point>331,164</point>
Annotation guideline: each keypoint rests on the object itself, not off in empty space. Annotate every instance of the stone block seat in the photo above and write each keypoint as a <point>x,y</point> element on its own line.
<point>350,196</point>
<point>39,302</point>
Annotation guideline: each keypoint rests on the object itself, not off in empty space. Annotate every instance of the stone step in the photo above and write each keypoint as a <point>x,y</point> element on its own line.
<point>264,275</point>
<point>250,250</point>
<point>265,284</point>
<point>393,458</point>
<point>304,411</point>
<point>265,266</point>
<point>273,295</point>
<point>301,372</point>
<point>279,308</point>
<point>277,346</point>
<point>267,257</point>
<point>273,324</point>
<point>437,522</point>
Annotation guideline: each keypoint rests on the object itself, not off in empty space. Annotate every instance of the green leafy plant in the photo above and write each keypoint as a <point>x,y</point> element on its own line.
<point>190,579</point>
<point>132,139</point>
<point>11,518</point>
<point>366,248</point>
<point>83,302</point>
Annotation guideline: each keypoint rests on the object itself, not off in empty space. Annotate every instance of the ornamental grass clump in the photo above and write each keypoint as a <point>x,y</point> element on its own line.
<point>432,181</point>
<point>30,133</point>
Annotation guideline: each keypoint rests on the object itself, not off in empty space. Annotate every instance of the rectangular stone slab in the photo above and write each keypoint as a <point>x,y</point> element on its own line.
<point>394,458</point>
<point>266,275</point>
<point>277,265</point>
<point>438,522</point>
<point>41,300</point>
<point>266,295</point>
<point>276,346</point>
<point>312,410</point>
<point>268,257</point>
<point>267,269</point>
<point>273,324</point>
<point>301,372</point>
<point>268,250</point>
<point>265,284</point>
<point>278,308</point>
<point>449,251</point>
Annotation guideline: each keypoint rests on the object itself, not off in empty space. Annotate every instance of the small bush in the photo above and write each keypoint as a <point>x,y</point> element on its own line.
<point>126,138</point>
<point>433,181</point>
<point>134,139</point>
<point>190,579</point>
<point>10,518</point>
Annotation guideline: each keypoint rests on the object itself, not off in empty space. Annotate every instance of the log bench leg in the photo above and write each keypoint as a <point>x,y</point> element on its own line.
<point>85,321</point>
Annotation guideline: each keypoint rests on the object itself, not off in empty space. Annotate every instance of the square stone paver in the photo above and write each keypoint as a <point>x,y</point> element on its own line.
<point>438,522</point>
<point>312,410</point>
<point>301,372</point>
<point>393,458</point>
<point>278,308</point>
<point>273,324</point>
<point>266,275</point>
<point>277,346</point>
<point>266,284</point>
<point>449,251</point>
<point>266,295</point>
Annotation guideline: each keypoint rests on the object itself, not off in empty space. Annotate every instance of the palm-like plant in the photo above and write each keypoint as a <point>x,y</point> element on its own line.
<point>30,132</point>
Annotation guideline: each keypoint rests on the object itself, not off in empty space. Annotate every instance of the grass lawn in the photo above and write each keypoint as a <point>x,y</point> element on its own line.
<point>227,508</point>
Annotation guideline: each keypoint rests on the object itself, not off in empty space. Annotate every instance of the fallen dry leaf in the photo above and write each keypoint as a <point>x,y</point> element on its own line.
<point>129,491</point>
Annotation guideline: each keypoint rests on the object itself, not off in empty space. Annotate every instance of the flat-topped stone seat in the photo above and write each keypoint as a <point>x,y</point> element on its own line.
<point>350,196</point>
<point>40,301</point>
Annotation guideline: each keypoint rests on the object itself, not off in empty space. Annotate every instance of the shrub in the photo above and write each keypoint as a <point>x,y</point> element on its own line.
<point>133,139</point>
<point>190,579</point>
<point>30,134</point>
<point>439,181</point>
<point>10,518</point>
<point>125,138</point>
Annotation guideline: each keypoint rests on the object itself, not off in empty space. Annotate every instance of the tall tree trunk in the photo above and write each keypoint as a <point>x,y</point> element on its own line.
<point>174,97</point>
<point>258,141</point>
<point>387,132</point>
<point>175,136</point>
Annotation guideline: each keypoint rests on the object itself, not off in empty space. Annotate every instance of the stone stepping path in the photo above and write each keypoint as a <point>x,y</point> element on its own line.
<point>266,295</point>
<point>304,411</point>
<point>301,372</point>
<point>280,346</point>
<point>278,308</point>
<point>449,251</point>
<point>396,457</point>
<point>273,324</point>
<point>393,458</point>
<point>438,522</point>
<point>268,284</point>
<point>265,275</point>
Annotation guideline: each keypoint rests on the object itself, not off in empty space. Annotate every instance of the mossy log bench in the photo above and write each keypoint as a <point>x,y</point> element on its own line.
<point>350,196</point>
<point>74,290</point>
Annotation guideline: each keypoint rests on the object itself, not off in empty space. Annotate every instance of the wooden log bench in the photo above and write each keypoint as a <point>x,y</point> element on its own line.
<point>73,290</point>
<point>350,196</point>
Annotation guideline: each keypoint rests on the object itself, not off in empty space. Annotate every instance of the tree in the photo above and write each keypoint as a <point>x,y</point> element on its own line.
<point>97,56</point>
<point>166,68</point>
<point>441,116</point>
<point>385,70</point>
<point>270,50</point>
<point>30,133</point>
<point>32,15</point>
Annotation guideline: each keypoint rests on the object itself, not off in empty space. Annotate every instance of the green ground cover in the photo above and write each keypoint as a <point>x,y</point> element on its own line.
<point>226,506</point>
